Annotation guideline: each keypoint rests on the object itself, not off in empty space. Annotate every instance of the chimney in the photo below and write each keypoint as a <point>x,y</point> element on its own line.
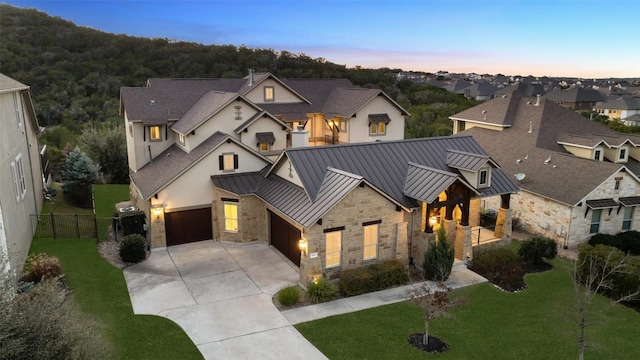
<point>537,100</point>
<point>250,77</point>
<point>299,137</point>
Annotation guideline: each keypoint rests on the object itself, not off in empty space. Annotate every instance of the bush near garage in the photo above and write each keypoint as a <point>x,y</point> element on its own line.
<point>289,296</point>
<point>373,277</point>
<point>133,248</point>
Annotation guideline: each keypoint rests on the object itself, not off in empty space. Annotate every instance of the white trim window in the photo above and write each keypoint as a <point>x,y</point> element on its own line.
<point>484,178</point>
<point>371,236</point>
<point>155,134</point>
<point>333,250</point>
<point>181,139</point>
<point>230,216</point>
<point>18,105</point>
<point>597,154</point>
<point>19,181</point>
<point>269,94</point>
<point>627,219</point>
<point>378,129</point>
<point>594,228</point>
<point>622,154</point>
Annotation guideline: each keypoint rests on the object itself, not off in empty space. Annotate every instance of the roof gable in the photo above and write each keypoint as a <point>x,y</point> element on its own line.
<point>204,109</point>
<point>426,184</point>
<point>466,161</point>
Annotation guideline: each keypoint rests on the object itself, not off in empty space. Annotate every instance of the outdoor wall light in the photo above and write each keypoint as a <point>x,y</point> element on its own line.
<point>302,245</point>
<point>433,220</point>
<point>157,210</point>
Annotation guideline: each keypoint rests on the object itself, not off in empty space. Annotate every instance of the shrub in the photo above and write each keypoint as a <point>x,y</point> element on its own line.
<point>289,296</point>
<point>601,258</point>
<point>532,251</point>
<point>322,290</point>
<point>42,267</point>
<point>628,241</point>
<point>501,266</point>
<point>132,248</point>
<point>438,259</point>
<point>373,277</point>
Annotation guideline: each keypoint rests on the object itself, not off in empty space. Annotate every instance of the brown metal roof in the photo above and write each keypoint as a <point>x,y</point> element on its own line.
<point>379,118</point>
<point>630,201</point>
<point>602,203</point>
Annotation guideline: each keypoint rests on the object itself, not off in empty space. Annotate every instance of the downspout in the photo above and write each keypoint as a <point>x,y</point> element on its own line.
<point>150,157</point>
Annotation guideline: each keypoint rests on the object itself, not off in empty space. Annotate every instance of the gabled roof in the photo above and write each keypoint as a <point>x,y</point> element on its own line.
<point>623,103</point>
<point>259,78</point>
<point>536,134</point>
<point>522,89</point>
<point>257,116</point>
<point>173,162</point>
<point>204,109</point>
<point>498,112</point>
<point>426,184</point>
<point>467,161</point>
<point>574,95</point>
<point>9,84</point>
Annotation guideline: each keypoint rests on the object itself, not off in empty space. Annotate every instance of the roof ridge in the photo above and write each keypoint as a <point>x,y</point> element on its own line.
<point>434,138</point>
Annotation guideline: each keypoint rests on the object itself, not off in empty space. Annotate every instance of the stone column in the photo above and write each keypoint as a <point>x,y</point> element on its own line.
<point>450,228</point>
<point>474,212</point>
<point>158,238</point>
<point>402,242</point>
<point>503,224</point>
<point>463,242</point>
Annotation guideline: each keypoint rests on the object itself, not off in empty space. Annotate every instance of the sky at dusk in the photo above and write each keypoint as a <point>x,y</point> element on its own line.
<point>578,38</point>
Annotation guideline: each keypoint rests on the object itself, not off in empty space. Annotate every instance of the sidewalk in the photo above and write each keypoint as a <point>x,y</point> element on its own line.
<point>459,278</point>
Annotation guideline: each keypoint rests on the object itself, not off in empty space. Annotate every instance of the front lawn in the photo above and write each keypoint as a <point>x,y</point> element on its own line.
<point>106,196</point>
<point>537,323</point>
<point>101,292</point>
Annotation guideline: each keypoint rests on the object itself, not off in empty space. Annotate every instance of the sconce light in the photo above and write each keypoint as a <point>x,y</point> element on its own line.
<point>302,245</point>
<point>433,220</point>
<point>157,210</point>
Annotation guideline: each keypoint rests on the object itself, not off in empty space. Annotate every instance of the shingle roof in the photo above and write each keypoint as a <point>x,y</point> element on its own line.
<point>379,118</point>
<point>498,111</point>
<point>563,177</point>
<point>206,107</point>
<point>171,163</point>
<point>266,137</point>
<point>7,83</point>
<point>574,95</point>
<point>623,103</point>
<point>522,89</point>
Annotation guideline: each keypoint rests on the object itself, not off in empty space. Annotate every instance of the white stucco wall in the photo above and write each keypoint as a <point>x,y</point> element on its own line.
<point>223,121</point>
<point>264,124</point>
<point>195,188</point>
<point>281,93</point>
<point>359,125</point>
<point>289,175</point>
<point>139,144</point>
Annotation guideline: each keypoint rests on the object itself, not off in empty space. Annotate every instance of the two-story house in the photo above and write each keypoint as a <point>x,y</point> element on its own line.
<point>575,98</point>
<point>21,194</point>
<point>182,131</point>
<point>625,109</point>
<point>576,177</point>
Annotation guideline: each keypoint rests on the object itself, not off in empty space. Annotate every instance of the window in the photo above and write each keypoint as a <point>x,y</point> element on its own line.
<point>483,178</point>
<point>231,216</point>
<point>462,125</point>
<point>228,162</point>
<point>343,125</point>
<point>181,139</point>
<point>595,221</point>
<point>18,105</point>
<point>238,112</point>
<point>269,93</point>
<point>377,129</point>
<point>154,133</point>
<point>628,217</point>
<point>19,182</point>
<point>334,247</point>
<point>265,146</point>
<point>622,155</point>
<point>370,241</point>
<point>596,154</point>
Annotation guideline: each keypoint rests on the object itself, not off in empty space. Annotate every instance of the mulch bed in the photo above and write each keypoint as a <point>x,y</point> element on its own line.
<point>433,345</point>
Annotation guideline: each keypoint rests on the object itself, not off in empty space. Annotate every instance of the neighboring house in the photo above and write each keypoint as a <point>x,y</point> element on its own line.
<point>21,194</point>
<point>576,98</point>
<point>576,177</point>
<point>181,131</point>
<point>356,204</point>
<point>621,109</point>
<point>480,91</point>
<point>522,89</point>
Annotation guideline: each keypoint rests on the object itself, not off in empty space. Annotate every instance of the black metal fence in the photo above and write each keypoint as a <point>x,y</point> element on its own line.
<point>70,226</point>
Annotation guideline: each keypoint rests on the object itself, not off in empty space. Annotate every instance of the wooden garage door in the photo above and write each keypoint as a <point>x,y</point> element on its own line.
<point>188,226</point>
<point>285,237</point>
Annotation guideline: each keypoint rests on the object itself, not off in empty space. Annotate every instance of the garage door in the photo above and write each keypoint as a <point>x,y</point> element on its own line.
<point>285,237</point>
<point>188,226</point>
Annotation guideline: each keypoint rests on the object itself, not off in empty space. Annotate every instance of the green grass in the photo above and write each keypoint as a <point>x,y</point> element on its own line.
<point>538,323</point>
<point>101,292</point>
<point>59,205</point>
<point>106,196</point>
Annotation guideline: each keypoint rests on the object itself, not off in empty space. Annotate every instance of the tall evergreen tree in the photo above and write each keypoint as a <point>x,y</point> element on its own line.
<point>78,176</point>
<point>438,259</point>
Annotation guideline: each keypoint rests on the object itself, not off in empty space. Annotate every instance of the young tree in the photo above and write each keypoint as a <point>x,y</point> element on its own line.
<point>106,145</point>
<point>438,259</point>
<point>597,271</point>
<point>78,176</point>
<point>435,302</point>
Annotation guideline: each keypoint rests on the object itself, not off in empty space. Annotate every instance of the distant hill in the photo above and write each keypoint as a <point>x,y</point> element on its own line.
<point>75,73</point>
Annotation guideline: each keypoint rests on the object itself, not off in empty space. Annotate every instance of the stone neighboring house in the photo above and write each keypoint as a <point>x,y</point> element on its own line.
<point>21,172</point>
<point>182,131</point>
<point>351,205</point>
<point>576,177</point>
<point>576,98</point>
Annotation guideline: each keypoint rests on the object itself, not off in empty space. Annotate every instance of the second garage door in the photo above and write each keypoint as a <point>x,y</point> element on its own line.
<point>285,237</point>
<point>188,226</point>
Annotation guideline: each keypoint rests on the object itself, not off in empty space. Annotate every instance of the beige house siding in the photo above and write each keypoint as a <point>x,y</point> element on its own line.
<point>362,205</point>
<point>224,121</point>
<point>264,124</point>
<point>281,93</point>
<point>288,174</point>
<point>359,125</point>
<point>18,139</point>
<point>194,188</point>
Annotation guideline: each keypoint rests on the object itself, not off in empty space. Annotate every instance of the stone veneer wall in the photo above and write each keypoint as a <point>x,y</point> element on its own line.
<point>252,218</point>
<point>363,204</point>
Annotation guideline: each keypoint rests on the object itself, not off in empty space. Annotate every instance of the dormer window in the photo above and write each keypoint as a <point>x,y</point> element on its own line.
<point>181,139</point>
<point>484,178</point>
<point>269,93</point>
<point>622,154</point>
<point>597,154</point>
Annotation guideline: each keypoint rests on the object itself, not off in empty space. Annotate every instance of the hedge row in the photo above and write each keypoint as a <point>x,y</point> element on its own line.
<point>601,257</point>
<point>373,277</point>
<point>628,241</point>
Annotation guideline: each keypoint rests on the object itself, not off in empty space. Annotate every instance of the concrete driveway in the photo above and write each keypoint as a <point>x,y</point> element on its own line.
<point>220,294</point>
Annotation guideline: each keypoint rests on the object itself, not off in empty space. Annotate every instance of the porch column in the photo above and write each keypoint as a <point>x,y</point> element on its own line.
<point>503,221</point>
<point>310,268</point>
<point>462,244</point>
<point>450,228</point>
<point>158,235</point>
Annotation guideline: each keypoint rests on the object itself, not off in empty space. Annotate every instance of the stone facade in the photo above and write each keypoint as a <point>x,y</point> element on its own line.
<point>252,218</point>
<point>362,205</point>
